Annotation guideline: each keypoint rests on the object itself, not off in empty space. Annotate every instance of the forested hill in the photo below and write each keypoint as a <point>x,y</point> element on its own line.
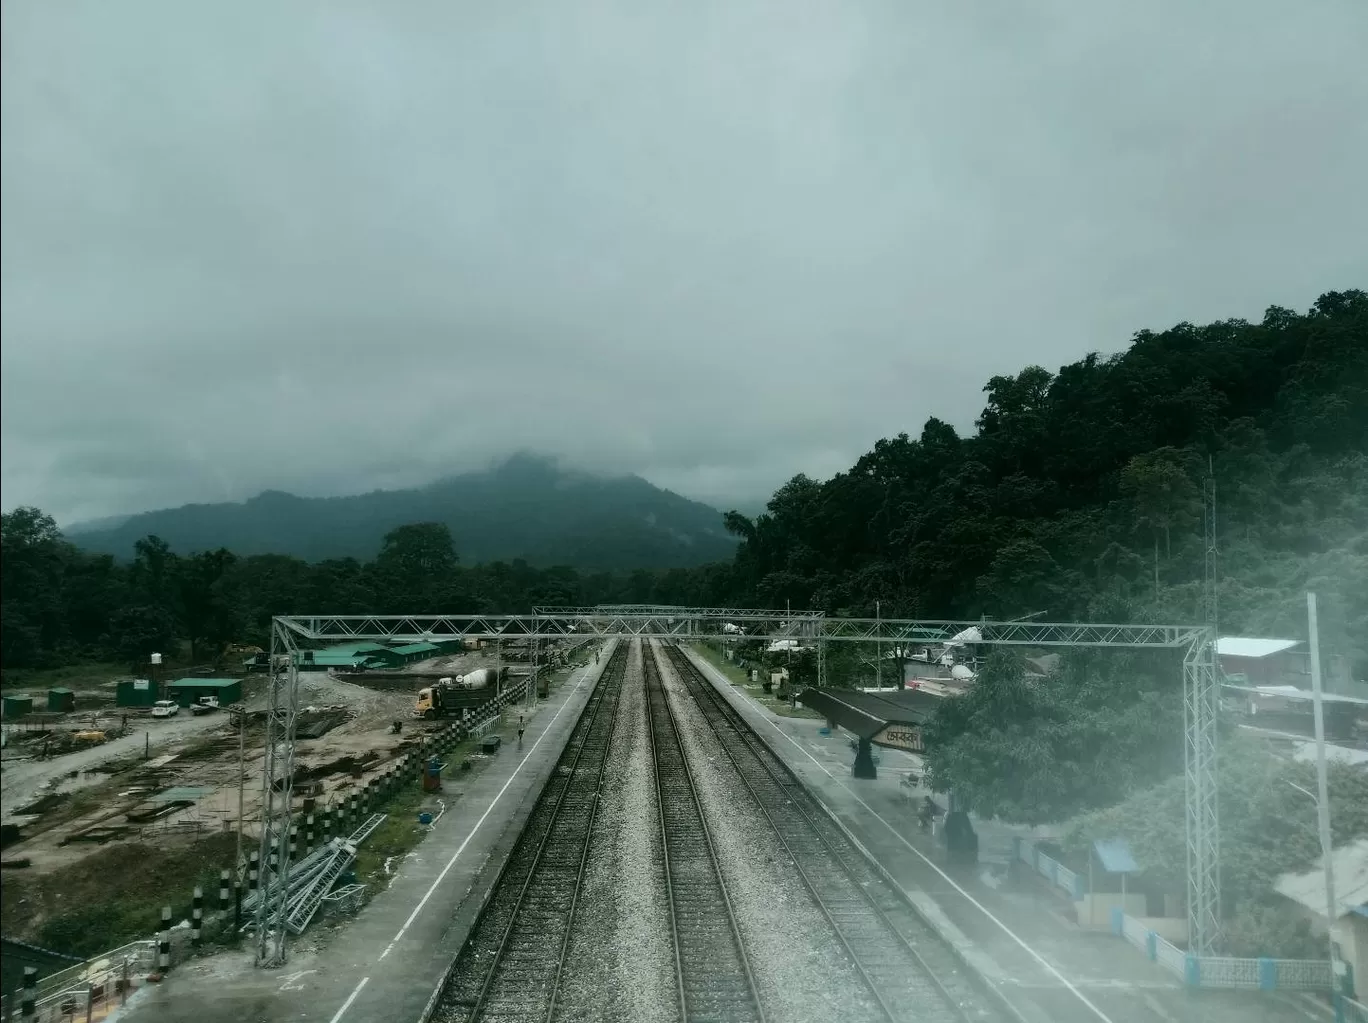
<point>1080,494</point>
<point>526,508</point>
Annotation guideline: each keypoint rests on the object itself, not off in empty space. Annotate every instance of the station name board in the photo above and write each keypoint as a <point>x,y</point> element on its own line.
<point>908,737</point>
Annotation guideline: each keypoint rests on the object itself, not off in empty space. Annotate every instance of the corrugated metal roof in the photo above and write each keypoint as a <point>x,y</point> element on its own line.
<point>1293,693</point>
<point>1249,646</point>
<point>1306,754</point>
<point>1350,863</point>
<point>867,714</point>
<point>1115,856</point>
<point>355,648</point>
<point>417,648</point>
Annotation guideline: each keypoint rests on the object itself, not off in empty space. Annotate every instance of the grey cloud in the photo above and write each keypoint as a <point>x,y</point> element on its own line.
<point>325,247</point>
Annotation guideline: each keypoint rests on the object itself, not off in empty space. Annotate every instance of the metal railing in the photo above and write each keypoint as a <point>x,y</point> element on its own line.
<point>1350,1011</point>
<point>1241,973</point>
<point>93,988</point>
<point>1066,880</point>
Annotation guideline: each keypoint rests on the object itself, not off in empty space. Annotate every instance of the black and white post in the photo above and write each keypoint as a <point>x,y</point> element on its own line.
<point>164,946</point>
<point>28,1003</point>
<point>197,917</point>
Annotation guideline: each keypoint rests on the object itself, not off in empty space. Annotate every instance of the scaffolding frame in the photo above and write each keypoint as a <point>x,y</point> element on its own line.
<point>1197,643</point>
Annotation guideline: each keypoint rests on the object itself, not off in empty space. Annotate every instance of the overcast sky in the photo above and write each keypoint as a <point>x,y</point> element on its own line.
<point>325,247</point>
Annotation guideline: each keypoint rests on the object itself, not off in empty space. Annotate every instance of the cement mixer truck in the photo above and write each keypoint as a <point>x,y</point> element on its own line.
<point>480,678</point>
<point>451,695</point>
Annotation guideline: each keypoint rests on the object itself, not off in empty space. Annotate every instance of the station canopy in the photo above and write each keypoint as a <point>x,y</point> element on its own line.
<point>890,719</point>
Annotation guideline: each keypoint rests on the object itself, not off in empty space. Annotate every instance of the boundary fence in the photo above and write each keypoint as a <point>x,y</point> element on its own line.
<point>1260,974</point>
<point>1349,1011</point>
<point>1263,973</point>
<point>87,991</point>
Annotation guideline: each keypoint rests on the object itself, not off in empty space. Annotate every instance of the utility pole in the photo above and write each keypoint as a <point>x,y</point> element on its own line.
<point>1322,787</point>
<point>878,619</point>
<point>242,776</point>
<point>1210,567</point>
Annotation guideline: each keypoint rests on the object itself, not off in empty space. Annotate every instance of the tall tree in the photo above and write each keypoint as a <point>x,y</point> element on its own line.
<point>1162,494</point>
<point>208,617</point>
<point>415,564</point>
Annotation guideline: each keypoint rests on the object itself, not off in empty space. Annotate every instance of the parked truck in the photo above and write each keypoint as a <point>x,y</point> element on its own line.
<point>481,678</point>
<point>205,705</point>
<point>451,695</point>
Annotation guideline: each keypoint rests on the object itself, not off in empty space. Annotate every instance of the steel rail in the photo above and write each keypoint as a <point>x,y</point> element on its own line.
<point>723,711</point>
<point>486,986</point>
<point>584,857</point>
<point>651,674</point>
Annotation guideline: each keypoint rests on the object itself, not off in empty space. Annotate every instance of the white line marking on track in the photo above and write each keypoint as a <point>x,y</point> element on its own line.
<point>350,998</point>
<point>894,831</point>
<point>488,810</point>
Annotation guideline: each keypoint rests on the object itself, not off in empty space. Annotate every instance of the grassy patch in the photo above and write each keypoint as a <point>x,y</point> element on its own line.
<point>112,897</point>
<point>734,673</point>
<point>71,676</point>
<point>396,837</point>
<point>400,833</point>
<point>737,677</point>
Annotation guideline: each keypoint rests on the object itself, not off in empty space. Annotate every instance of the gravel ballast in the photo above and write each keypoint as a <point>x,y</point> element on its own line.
<point>801,970</point>
<point>620,963</point>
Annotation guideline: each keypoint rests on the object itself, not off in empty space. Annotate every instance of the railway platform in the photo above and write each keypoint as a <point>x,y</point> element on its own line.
<point>1014,933</point>
<point>387,962</point>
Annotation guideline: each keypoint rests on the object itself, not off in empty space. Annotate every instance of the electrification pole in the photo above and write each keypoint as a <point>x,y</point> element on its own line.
<point>1322,784</point>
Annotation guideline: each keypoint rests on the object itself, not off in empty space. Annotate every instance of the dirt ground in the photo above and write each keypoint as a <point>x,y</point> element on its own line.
<point>74,809</point>
<point>102,832</point>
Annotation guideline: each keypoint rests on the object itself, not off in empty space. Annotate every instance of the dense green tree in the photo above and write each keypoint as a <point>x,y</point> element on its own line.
<point>1035,750</point>
<point>1076,480</point>
<point>33,556</point>
<point>1163,495</point>
<point>209,620</point>
<point>1268,824</point>
<point>414,568</point>
<point>139,631</point>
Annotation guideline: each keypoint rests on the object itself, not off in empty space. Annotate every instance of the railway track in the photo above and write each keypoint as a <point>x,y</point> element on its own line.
<point>511,967</point>
<point>909,971</point>
<point>715,982</point>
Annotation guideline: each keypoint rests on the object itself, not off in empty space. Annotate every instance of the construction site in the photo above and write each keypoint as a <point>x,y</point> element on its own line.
<point>116,806</point>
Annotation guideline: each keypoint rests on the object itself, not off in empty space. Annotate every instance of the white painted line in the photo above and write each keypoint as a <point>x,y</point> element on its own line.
<point>350,998</point>
<point>930,863</point>
<point>488,810</point>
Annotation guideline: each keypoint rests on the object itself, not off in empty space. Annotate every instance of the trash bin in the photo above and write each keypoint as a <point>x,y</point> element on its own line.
<point>432,775</point>
<point>425,818</point>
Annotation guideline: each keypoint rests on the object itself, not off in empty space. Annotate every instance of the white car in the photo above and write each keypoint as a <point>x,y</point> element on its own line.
<point>164,708</point>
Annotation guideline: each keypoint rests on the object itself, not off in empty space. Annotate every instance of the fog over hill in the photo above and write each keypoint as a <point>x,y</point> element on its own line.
<point>527,507</point>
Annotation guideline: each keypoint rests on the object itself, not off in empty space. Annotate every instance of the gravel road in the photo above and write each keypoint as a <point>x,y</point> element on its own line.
<point>22,781</point>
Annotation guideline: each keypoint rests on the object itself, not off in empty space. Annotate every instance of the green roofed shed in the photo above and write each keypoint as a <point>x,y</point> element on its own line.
<point>411,652</point>
<point>135,692</point>
<point>61,699</point>
<point>186,691</point>
<point>18,705</point>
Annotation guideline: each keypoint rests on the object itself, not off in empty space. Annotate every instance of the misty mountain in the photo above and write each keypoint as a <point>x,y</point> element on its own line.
<point>528,507</point>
